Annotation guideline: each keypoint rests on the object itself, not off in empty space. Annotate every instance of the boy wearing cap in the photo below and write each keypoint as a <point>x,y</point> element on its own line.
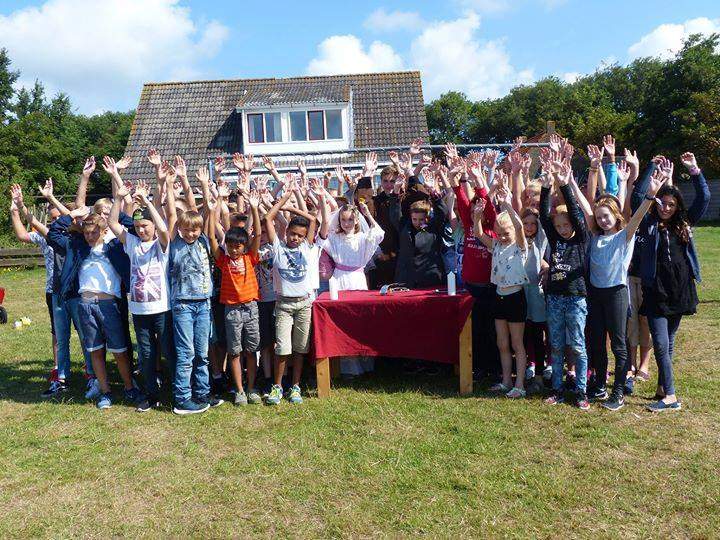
<point>148,303</point>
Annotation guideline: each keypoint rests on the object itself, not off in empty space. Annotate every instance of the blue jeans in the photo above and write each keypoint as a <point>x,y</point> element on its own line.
<point>191,328</point>
<point>663,330</point>
<point>154,334</point>
<point>566,324</point>
<point>66,312</point>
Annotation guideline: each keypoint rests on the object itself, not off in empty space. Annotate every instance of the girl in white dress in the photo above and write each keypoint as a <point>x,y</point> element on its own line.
<point>351,239</point>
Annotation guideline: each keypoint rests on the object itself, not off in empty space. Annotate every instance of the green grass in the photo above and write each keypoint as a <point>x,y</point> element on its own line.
<point>382,457</point>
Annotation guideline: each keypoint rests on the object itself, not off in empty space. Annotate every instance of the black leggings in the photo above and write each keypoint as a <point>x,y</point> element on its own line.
<point>609,314</point>
<point>486,360</point>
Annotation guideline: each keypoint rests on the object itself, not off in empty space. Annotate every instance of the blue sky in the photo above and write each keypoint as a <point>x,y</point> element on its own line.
<point>101,52</point>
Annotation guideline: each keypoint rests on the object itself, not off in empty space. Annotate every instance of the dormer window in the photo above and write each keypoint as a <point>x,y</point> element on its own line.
<point>264,127</point>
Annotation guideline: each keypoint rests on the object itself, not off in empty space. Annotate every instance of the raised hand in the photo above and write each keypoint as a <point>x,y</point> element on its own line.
<point>450,151</point>
<point>631,158</point>
<point>223,189</point>
<point>623,171</point>
<point>457,165</point>
<point>109,166</point>
<point>180,168</point>
<point>567,150</point>
<point>595,154</point>
<point>302,168</point>
<point>364,210</point>
<point>400,184</point>
<point>238,161</point>
<point>261,184</point>
<point>154,158</point>
<point>515,159</point>
<point>394,159</point>
<point>80,212</point>
<point>688,159</point>
<point>315,185</point>
<point>47,190</point>
<point>268,163</point>
<point>254,199</point>
<point>124,163</point>
<point>526,164</point>
<point>89,166</point>
<point>657,180</point>
<point>415,146</point>
<point>609,147</point>
<point>219,164</point>
<point>667,168</point>
<point>249,162</point>
<point>141,191</point>
<point>370,166</point>
<point>17,195</point>
<point>555,142</point>
<point>352,181</point>
<point>490,159</point>
<point>563,172</point>
<point>478,210</point>
<point>169,172</point>
<point>406,161</point>
<point>203,175</point>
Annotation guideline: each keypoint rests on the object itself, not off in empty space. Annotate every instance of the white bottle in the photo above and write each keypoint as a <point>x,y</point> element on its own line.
<point>333,288</point>
<point>451,284</point>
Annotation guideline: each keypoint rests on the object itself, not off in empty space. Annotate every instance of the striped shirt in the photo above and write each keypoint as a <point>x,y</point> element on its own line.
<point>238,283</point>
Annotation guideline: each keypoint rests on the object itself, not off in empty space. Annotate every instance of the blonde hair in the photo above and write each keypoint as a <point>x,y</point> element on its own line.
<point>612,203</point>
<point>99,205</point>
<point>356,214</point>
<point>560,211</point>
<point>503,219</point>
<point>534,186</point>
<point>94,220</point>
<point>389,171</point>
<point>190,220</point>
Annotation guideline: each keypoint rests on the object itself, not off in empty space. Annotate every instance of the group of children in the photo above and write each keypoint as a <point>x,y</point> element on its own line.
<point>223,290</point>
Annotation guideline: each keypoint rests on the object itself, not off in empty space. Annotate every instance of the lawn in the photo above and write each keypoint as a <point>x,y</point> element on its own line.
<point>383,457</point>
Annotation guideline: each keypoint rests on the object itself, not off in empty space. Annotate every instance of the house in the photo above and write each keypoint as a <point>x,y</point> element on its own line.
<point>326,120</point>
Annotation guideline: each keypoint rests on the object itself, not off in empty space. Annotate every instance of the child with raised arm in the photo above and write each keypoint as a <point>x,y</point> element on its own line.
<point>509,253</point>
<point>148,251</point>
<point>351,238</point>
<point>190,292</point>
<point>609,252</point>
<point>96,270</point>
<point>239,294</point>
<point>565,294</point>
<point>293,262</point>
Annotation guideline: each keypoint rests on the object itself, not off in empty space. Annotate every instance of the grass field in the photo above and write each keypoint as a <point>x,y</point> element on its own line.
<point>382,457</point>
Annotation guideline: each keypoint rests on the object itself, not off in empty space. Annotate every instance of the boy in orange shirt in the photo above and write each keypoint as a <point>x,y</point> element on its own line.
<point>239,294</point>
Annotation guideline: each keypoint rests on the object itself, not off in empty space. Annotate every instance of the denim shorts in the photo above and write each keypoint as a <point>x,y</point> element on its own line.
<point>102,325</point>
<point>242,328</point>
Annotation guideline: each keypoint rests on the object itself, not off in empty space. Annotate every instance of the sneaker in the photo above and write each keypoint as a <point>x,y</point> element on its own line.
<point>516,393</point>
<point>615,402</point>
<point>146,405</point>
<point>547,373</point>
<point>104,401</point>
<point>295,396</point>
<point>582,403</point>
<point>240,399</point>
<point>530,372</point>
<point>133,395</point>
<point>254,397</point>
<point>570,382</point>
<point>190,407</point>
<point>57,387</point>
<point>660,406</point>
<point>556,398</point>
<point>629,386</point>
<point>211,400</point>
<point>499,387</point>
<point>93,388</point>
<point>275,396</point>
<point>597,393</point>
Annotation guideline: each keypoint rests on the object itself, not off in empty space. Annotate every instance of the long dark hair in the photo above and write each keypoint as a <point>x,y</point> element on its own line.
<point>678,224</point>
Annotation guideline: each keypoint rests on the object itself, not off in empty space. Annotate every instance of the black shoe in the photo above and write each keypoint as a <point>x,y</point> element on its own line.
<point>146,405</point>
<point>616,402</point>
<point>597,393</point>
<point>570,382</point>
<point>55,390</point>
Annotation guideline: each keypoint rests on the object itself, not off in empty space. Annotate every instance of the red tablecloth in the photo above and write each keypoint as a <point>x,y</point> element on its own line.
<point>421,324</point>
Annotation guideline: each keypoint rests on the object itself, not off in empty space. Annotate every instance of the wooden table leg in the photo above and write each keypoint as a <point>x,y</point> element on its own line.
<point>466,373</point>
<point>322,371</point>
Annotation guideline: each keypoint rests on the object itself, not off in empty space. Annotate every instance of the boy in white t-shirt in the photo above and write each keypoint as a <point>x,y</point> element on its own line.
<point>295,269</point>
<point>148,301</point>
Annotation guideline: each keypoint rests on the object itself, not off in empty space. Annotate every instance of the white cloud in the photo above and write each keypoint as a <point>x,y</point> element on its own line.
<point>393,21</point>
<point>100,53</point>
<point>486,6</point>
<point>570,77</point>
<point>448,53</point>
<point>345,54</point>
<point>451,57</point>
<point>667,39</point>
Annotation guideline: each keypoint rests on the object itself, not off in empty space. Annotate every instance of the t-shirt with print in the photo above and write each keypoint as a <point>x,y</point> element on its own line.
<point>238,284</point>
<point>609,259</point>
<point>190,277</point>
<point>293,268</point>
<point>508,266</point>
<point>148,276</point>
<point>98,275</point>
<point>49,255</point>
<point>264,273</point>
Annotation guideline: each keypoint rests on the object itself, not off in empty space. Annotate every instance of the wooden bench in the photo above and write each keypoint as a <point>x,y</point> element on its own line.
<point>21,257</point>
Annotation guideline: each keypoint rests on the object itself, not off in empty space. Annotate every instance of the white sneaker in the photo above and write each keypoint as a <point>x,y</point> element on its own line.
<point>93,388</point>
<point>530,373</point>
<point>515,393</point>
<point>547,373</point>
